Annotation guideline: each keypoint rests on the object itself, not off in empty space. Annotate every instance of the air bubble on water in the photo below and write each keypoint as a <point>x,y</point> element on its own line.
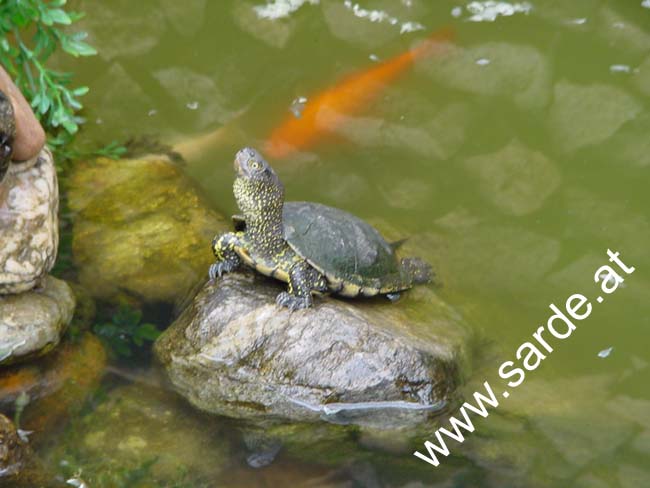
<point>99,121</point>
<point>192,105</point>
<point>488,11</point>
<point>374,57</point>
<point>380,16</point>
<point>456,12</point>
<point>645,4</point>
<point>482,61</point>
<point>620,68</point>
<point>279,9</point>
<point>410,27</point>
<point>605,352</point>
<point>152,112</point>
<point>579,21</point>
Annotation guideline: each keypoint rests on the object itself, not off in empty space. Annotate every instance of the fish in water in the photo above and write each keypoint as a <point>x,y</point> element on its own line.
<point>326,111</point>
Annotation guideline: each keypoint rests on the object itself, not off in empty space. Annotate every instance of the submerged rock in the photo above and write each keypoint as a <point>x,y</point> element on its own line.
<point>18,466</point>
<point>112,27</point>
<point>516,179</point>
<point>196,91</point>
<point>143,430</point>
<point>234,352</point>
<point>620,225</point>
<point>521,73</point>
<point>141,229</point>
<point>32,323</point>
<point>29,202</point>
<point>470,253</point>
<point>54,387</point>
<point>438,138</point>
<point>582,115</point>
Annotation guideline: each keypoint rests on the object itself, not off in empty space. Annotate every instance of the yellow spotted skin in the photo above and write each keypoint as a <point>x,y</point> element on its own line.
<point>259,243</point>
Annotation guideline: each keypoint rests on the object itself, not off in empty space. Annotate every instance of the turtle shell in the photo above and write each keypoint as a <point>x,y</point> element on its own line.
<point>351,253</point>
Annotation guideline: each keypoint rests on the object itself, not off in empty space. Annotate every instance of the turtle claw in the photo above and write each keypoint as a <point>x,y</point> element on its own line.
<point>220,268</point>
<point>393,297</point>
<point>292,302</point>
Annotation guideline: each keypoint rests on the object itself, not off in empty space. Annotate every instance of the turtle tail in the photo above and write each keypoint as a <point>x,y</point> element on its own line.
<point>417,270</point>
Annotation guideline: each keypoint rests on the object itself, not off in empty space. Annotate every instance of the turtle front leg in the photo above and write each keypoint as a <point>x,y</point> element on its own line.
<point>224,250</point>
<point>302,280</point>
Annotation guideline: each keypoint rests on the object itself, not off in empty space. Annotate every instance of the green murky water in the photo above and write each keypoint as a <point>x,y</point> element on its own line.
<point>514,161</point>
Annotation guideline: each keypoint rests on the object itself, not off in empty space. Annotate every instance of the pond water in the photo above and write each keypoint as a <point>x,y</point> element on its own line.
<point>512,161</point>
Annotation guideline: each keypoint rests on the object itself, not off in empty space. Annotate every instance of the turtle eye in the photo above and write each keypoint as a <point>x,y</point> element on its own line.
<point>5,150</point>
<point>254,165</point>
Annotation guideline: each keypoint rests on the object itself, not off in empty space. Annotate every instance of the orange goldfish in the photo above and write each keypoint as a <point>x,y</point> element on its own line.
<point>326,111</point>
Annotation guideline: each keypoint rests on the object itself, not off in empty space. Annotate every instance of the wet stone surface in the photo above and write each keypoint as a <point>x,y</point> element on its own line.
<point>235,353</point>
<point>141,229</point>
<point>33,322</point>
<point>53,388</point>
<point>29,202</point>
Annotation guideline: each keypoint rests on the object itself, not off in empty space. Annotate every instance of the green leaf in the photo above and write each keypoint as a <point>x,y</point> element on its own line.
<point>59,16</point>
<point>77,48</point>
<point>148,331</point>
<point>81,91</point>
<point>70,125</point>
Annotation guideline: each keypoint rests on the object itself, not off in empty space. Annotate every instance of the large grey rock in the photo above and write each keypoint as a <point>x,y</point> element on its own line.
<point>234,352</point>
<point>141,229</point>
<point>29,203</point>
<point>33,322</point>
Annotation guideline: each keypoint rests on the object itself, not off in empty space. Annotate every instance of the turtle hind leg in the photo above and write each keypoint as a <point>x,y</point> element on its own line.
<point>417,270</point>
<point>302,280</point>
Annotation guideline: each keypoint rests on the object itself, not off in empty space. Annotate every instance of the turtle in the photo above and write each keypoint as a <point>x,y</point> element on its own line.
<point>7,133</point>
<point>314,248</point>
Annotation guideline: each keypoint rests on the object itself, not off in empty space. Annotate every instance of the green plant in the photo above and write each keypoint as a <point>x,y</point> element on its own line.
<point>125,333</point>
<point>30,32</point>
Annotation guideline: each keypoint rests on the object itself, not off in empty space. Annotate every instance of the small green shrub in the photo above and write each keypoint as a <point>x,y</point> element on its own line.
<point>124,334</point>
<point>30,32</point>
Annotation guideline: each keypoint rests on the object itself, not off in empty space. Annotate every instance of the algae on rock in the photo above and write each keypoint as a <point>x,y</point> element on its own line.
<point>141,229</point>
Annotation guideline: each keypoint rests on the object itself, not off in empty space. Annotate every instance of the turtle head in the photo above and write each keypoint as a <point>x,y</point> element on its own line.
<point>258,190</point>
<point>7,132</point>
